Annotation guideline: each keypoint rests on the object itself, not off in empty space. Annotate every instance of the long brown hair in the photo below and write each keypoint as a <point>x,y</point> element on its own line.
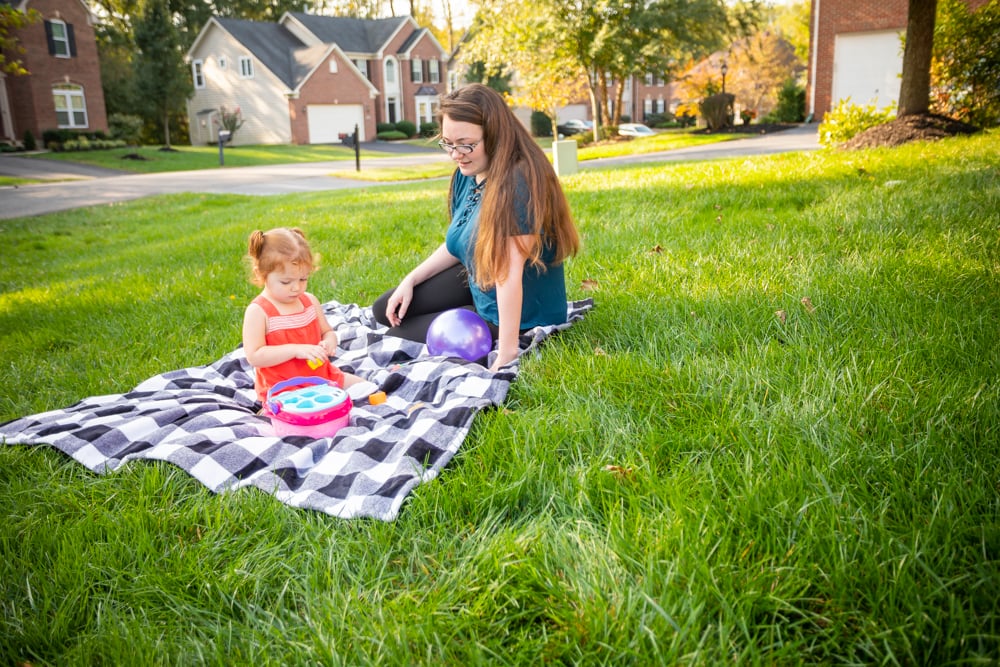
<point>513,156</point>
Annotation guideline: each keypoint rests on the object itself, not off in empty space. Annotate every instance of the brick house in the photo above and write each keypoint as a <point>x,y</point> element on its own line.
<point>855,51</point>
<point>310,79</point>
<point>63,87</point>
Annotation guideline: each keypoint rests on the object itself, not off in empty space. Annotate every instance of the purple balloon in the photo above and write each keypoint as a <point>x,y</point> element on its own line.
<point>459,333</point>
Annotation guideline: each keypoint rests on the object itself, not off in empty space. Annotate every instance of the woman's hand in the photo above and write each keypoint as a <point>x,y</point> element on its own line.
<point>503,358</point>
<point>399,301</point>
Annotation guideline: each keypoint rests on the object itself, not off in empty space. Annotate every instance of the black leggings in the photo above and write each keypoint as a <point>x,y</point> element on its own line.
<point>443,291</point>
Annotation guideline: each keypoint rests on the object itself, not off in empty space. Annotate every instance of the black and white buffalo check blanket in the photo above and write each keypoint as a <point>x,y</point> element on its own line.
<point>204,419</point>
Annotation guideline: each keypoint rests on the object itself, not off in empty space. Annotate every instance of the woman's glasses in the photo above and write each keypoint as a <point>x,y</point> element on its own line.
<point>461,149</point>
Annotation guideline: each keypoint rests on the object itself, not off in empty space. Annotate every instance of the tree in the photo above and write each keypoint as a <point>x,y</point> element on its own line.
<point>13,19</point>
<point>547,76</point>
<point>966,65</point>
<point>606,41</point>
<point>161,79</point>
<point>758,68</point>
<point>915,87</point>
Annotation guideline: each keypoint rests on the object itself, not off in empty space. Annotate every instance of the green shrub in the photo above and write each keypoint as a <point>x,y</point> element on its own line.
<point>391,135</point>
<point>407,127</point>
<point>791,106</point>
<point>717,110</point>
<point>848,119</point>
<point>384,127</point>
<point>428,130</point>
<point>541,124</point>
<point>29,141</point>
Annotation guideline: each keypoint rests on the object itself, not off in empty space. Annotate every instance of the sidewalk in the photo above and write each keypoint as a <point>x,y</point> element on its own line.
<point>95,186</point>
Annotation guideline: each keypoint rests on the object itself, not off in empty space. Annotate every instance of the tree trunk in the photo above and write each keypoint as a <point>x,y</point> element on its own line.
<point>166,128</point>
<point>915,87</point>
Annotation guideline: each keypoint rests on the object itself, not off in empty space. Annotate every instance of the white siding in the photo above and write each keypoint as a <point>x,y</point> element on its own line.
<point>261,99</point>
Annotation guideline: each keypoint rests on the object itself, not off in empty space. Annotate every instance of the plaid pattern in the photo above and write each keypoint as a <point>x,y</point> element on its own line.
<point>204,419</point>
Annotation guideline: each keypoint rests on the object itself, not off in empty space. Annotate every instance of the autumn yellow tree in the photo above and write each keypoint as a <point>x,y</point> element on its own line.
<point>757,69</point>
<point>546,74</point>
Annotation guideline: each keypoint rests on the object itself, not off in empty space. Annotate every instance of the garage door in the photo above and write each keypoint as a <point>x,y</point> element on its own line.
<point>328,121</point>
<point>866,68</point>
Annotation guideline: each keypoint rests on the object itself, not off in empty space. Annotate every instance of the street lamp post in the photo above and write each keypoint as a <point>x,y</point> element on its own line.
<point>724,69</point>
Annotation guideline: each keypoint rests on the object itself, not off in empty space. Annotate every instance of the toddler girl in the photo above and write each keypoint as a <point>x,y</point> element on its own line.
<point>285,333</point>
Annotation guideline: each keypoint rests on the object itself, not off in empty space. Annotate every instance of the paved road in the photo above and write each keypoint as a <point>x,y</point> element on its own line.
<point>92,186</point>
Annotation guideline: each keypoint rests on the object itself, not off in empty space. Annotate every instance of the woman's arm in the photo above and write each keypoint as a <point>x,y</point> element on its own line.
<point>398,303</point>
<point>510,296</point>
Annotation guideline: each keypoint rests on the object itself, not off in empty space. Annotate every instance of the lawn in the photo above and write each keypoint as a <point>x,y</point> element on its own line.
<point>773,440</point>
<point>184,158</point>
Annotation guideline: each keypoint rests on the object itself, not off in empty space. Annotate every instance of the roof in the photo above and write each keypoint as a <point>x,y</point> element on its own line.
<point>274,46</point>
<point>350,34</point>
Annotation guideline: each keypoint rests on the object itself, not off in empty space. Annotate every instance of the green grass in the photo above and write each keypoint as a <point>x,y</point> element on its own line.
<point>185,158</point>
<point>664,140</point>
<point>7,181</point>
<point>714,483</point>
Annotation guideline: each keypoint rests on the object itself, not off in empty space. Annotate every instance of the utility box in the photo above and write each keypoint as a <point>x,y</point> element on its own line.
<point>564,157</point>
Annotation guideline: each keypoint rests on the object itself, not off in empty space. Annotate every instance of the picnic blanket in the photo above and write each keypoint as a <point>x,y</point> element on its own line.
<point>204,419</point>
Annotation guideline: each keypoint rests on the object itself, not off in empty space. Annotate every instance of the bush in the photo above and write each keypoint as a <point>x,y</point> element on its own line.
<point>391,135</point>
<point>665,119</point>
<point>541,124</point>
<point>407,127</point>
<point>125,127</point>
<point>791,106</point>
<point>848,119</point>
<point>29,141</point>
<point>384,127</point>
<point>428,130</point>
<point>717,110</point>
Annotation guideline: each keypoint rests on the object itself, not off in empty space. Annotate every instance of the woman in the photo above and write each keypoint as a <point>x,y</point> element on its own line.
<point>510,231</point>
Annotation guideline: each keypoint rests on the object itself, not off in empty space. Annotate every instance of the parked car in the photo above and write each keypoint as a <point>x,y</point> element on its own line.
<point>575,126</point>
<point>634,130</point>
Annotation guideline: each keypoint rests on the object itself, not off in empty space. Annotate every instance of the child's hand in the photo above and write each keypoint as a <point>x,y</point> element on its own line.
<point>311,353</point>
<point>329,343</point>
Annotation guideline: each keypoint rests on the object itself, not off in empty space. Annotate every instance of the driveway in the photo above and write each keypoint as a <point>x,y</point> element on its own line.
<point>94,186</point>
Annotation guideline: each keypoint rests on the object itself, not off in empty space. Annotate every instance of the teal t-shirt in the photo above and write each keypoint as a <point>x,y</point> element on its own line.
<point>544,289</point>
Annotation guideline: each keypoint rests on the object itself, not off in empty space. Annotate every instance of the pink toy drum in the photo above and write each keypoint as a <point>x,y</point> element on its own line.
<point>318,410</point>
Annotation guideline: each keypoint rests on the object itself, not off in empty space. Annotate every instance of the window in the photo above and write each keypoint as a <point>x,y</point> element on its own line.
<point>71,110</point>
<point>59,35</point>
<point>223,62</point>
<point>198,74</point>
<point>390,71</point>
<point>333,66</point>
<point>416,71</point>
<point>246,67</point>
<point>649,79</point>
<point>362,66</point>
<point>435,72</point>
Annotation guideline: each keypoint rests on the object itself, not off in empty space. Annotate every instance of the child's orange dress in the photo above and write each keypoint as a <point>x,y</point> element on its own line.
<point>301,327</point>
